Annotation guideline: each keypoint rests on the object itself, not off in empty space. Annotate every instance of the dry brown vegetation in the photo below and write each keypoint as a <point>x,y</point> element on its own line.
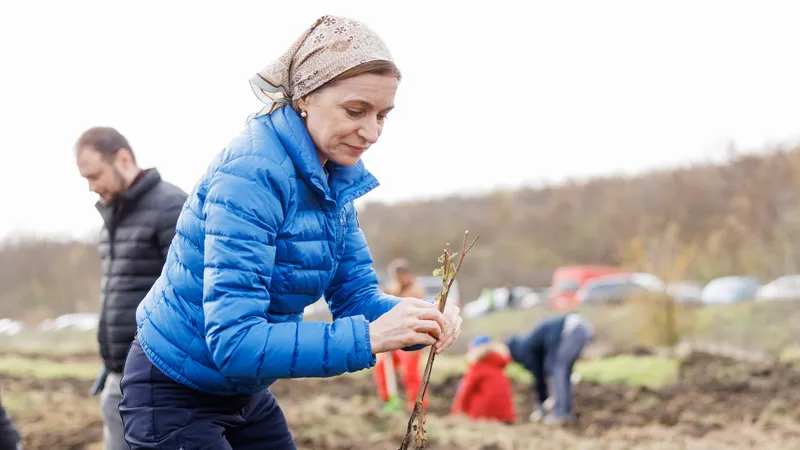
<point>41,278</point>
<point>697,222</point>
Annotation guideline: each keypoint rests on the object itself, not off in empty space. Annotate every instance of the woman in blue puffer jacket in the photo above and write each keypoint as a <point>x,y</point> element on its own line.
<point>268,229</point>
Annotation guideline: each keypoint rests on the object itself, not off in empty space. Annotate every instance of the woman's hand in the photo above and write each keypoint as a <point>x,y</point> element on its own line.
<point>410,322</point>
<point>452,327</point>
<point>414,322</point>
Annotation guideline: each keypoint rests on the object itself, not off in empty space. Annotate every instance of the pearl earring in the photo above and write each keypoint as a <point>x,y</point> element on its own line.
<point>303,113</point>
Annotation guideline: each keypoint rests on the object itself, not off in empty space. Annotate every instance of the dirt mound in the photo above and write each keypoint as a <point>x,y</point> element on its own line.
<point>71,385</point>
<point>717,403</point>
<point>55,414</point>
<point>712,392</point>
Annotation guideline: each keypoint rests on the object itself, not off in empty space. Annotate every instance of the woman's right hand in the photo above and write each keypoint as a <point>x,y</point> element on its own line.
<point>411,322</point>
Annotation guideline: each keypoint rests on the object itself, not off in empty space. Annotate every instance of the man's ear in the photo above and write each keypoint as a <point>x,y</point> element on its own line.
<point>125,158</point>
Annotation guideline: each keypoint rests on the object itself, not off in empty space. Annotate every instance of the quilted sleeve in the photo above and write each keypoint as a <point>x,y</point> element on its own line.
<point>354,289</point>
<point>243,210</point>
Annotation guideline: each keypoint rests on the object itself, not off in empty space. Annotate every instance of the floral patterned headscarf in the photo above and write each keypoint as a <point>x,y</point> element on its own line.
<point>332,45</point>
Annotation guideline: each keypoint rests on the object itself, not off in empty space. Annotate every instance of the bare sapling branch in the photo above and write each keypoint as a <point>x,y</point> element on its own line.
<point>448,271</point>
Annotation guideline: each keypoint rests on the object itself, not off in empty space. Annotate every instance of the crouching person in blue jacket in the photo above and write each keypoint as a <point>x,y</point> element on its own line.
<point>268,230</point>
<point>550,351</point>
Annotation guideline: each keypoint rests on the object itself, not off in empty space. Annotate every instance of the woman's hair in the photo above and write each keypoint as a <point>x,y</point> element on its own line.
<point>377,67</point>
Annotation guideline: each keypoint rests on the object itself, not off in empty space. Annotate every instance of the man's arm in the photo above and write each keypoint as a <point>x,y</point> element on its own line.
<point>537,367</point>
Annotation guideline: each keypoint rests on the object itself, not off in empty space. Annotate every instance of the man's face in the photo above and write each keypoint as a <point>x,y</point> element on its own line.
<point>404,277</point>
<point>104,178</point>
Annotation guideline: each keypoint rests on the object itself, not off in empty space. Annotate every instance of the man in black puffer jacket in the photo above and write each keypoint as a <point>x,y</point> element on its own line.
<point>139,212</point>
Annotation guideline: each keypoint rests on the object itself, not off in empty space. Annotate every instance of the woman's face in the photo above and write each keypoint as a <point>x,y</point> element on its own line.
<point>346,118</point>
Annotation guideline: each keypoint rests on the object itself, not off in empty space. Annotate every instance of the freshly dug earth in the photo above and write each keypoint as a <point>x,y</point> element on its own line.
<point>717,403</point>
<point>54,414</point>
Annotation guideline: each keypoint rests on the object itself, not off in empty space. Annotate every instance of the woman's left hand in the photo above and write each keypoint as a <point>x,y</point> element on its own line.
<point>452,328</point>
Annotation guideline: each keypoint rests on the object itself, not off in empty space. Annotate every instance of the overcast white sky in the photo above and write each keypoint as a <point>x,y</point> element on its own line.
<point>494,93</point>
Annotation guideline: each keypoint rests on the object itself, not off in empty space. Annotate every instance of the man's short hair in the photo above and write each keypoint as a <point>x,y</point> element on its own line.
<point>398,265</point>
<point>106,140</point>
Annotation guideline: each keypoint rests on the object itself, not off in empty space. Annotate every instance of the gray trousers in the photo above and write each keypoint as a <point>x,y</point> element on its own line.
<point>568,352</point>
<point>113,433</point>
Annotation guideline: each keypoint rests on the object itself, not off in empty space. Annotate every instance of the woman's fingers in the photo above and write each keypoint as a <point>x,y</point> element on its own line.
<point>451,335</point>
<point>421,338</point>
<point>429,327</point>
<point>431,314</point>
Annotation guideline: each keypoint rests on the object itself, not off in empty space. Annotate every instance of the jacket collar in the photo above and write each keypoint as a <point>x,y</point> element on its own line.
<point>341,184</point>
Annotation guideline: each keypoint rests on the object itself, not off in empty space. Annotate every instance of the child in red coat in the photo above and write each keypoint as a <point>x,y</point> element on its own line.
<point>485,391</point>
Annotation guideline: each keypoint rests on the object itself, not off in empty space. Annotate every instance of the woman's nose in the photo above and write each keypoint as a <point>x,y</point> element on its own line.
<point>370,131</point>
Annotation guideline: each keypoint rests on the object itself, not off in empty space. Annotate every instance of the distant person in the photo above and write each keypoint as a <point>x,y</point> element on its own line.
<point>402,283</point>
<point>550,350</point>
<point>9,436</point>
<point>139,212</point>
<point>485,391</point>
<point>270,228</point>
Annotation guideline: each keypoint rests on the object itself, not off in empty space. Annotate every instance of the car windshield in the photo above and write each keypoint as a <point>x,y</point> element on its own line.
<point>567,286</point>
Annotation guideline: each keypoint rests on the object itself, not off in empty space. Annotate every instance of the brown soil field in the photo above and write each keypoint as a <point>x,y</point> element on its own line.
<point>716,404</point>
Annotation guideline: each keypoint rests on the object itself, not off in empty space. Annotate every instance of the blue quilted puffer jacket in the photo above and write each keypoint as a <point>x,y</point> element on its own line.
<point>265,232</point>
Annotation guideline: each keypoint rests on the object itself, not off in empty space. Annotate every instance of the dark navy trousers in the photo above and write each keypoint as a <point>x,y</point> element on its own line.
<point>159,413</point>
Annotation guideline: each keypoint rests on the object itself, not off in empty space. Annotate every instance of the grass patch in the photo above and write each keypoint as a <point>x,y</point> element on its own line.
<point>19,402</point>
<point>790,355</point>
<point>650,371</point>
<point>60,343</point>
<point>18,366</point>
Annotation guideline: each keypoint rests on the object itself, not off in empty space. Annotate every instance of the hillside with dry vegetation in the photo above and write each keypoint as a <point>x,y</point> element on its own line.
<point>696,222</point>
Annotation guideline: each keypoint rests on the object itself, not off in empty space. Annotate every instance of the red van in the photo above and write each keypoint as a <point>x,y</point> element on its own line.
<point>568,279</point>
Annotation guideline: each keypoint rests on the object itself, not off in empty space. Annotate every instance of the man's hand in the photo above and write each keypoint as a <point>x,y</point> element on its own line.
<point>538,413</point>
<point>99,382</point>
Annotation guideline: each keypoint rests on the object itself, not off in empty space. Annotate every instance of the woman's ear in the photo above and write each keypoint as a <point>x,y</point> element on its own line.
<point>301,104</point>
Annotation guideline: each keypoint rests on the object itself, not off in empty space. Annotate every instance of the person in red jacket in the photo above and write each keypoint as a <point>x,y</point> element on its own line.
<point>485,392</point>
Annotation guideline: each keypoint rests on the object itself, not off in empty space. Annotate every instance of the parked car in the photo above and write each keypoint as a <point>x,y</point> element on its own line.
<point>685,291</point>
<point>648,281</point>
<point>568,280</point>
<point>490,300</point>
<point>10,327</point>
<point>608,289</point>
<point>730,289</point>
<point>73,321</point>
<point>782,288</point>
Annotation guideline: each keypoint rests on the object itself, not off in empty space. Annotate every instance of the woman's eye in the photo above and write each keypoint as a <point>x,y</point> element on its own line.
<point>354,113</point>
<point>383,117</point>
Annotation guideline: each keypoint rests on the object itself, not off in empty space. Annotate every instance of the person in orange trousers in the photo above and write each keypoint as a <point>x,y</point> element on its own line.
<point>403,284</point>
